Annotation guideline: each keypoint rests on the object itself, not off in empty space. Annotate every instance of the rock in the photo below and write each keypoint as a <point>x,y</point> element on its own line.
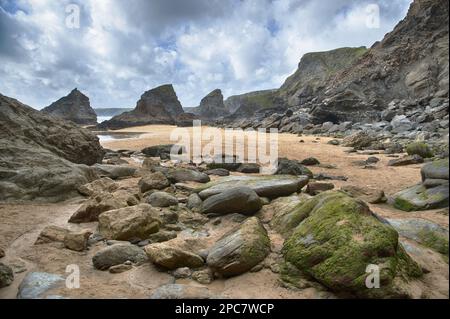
<point>292,167</point>
<point>242,200</point>
<point>337,238</point>
<point>372,160</point>
<point>211,106</point>
<point>74,107</point>
<point>265,186</point>
<point>358,140</point>
<point>218,172</point>
<point>315,188</point>
<point>98,186</point>
<point>6,275</point>
<point>46,157</point>
<point>401,124</point>
<point>156,106</point>
<point>194,202</point>
<point>249,168</point>
<point>2,253</point>
<point>406,160</point>
<point>334,142</point>
<point>162,236</point>
<point>435,170</point>
<point>150,163</point>
<point>181,273</point>
<point>431,182</point>
<point>118,254</point>
<point>131,222</point>
<point>161,199</point>
<point>77,241</point>
<point>205,277</point>
<point>323,177</point>
<point>91,209</point>
<point>117,269</point>
<point>369,195</point>
<point>187,175</point>
<point>310,161</point>
<point>419,197</point>
<point>419,148</point>
<point>51,234</point>
<point>163,151</point>
<point>178,291</point>
<point>172,257</point>
<point>36,285</point>
<point>114,171</point>
<point>153,181</point>
<point>422,231</point>
<point>240,250</point>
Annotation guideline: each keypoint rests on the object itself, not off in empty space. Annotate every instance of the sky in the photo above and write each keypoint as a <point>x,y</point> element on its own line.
<point>115,50</point>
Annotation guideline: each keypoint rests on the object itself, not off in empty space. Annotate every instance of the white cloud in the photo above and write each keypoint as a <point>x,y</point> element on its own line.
<point>124,48</point>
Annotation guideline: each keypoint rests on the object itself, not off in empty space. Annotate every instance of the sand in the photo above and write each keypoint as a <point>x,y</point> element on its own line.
<point>20,225</point>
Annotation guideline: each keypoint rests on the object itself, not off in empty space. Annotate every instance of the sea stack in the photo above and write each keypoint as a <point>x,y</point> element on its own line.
<point>74,107</point>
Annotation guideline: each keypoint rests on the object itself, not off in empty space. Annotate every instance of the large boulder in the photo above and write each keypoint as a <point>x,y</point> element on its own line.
<point>102,202</point>
<point>131,222</point>
<point>435,170</point>
<point>161,199</point>
<point>74,107</point>
<point>419,197</point>
<point>335,241</point>
<point>241,200</point>
<point>156,106</point>
<point>240,250</point>
<point>265,186</point>
<point>51,234</point>
<point>358,140</point>
<point>172,257</point>
<point>118,254</point>
<point>98,186</point>
<point>43,158</point>
<point>422,231</point>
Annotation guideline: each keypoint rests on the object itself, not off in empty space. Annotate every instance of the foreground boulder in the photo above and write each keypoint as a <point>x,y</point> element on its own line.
<point>153,181</point>
<point>265,186</point>
<point>118,254</point>
<point>43,158</point>
<point>181,175</point>
<point>98,186</point>
<point>171,257</point>
<point>240,250</point>
<point>366,194</point>
<point>419,197</point>
<point>51,234</point>
<point>37,285</point>
<point>422,231</point>
<point>241,200</point>
<point>127,223</point>
<point>161,199</point>
<point>338,238</point>
<point>77,241</point>
<point>74,107</point>
<point>435,170</point>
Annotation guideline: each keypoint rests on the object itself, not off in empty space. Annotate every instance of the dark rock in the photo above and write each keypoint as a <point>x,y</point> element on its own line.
<point>292,167</point>
<point>218,172</point>
<point>161,199</point>
<point>153,181</point>
<point>6,275</point>
<point>406,160</point>
<point>118,254</point>
<point>315,188</point>
<point>249,168</point>
<point>187,175</point>
<point>242,200</point>
<point>74,107</point>
<point>310,161</point>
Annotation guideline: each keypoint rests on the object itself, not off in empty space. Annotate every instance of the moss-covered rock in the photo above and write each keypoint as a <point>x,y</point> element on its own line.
<point>339,238</point>
<point>435,170</point>
<point>240,250</point>
<point>419,148</point>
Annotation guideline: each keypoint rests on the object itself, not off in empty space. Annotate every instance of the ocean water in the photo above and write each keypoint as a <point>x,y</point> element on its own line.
<point>103,118</point>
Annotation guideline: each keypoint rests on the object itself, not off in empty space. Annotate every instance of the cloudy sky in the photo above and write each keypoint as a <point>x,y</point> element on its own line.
<point>122,48</point>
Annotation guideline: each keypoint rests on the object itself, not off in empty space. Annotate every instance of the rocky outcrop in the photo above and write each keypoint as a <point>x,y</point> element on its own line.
<point>74,107</point>
<point>156,106</point>
<point>43,158</point>
<point>211,106</point>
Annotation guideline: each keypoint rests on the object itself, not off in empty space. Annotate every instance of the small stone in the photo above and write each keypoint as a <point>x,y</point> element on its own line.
<point>2,253</point>
<point>6,275</point>
<point>310,161</point>
<point>117,269</point>
<point>183,272</point>
<point>77,241</point>
<point>204,277</point>
<point>315,188</point>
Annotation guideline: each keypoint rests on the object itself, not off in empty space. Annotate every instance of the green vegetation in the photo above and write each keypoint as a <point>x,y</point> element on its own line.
<point>419,148</point>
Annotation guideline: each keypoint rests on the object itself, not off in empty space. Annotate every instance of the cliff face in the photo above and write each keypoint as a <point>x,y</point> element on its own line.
<point>211,106</point>
<point>314,70</point>
<point>244,105</point>
<point>40,156</point>
<point>411,62</point>
<point>74,107</point>
<point>156,106</point>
